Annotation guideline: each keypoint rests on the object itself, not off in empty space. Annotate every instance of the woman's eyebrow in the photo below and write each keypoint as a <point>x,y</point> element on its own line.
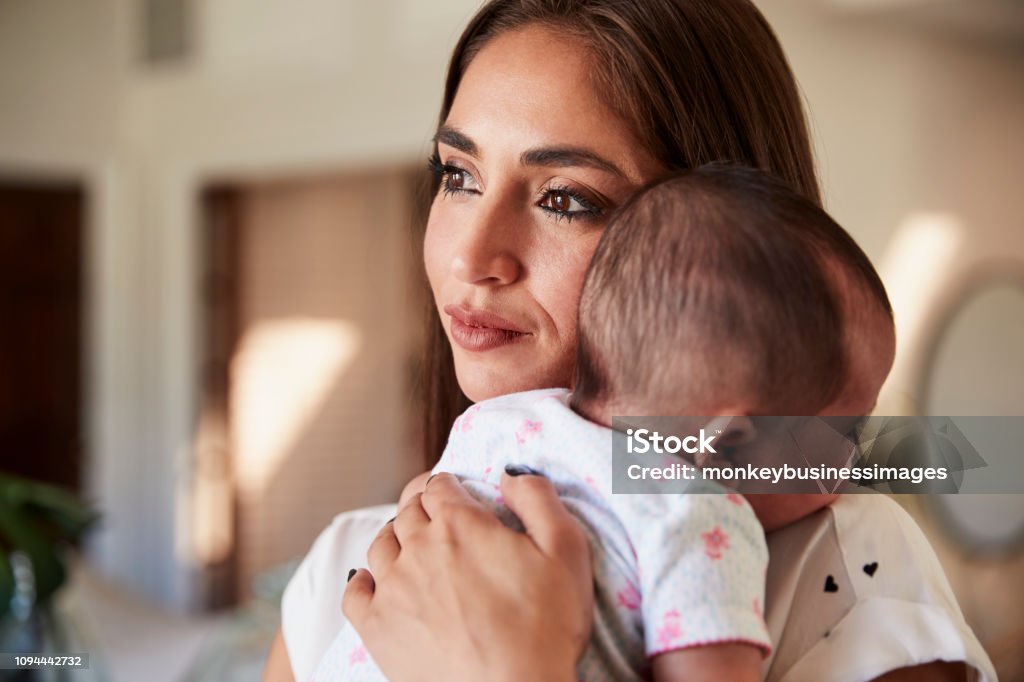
<point>453,138</point>
<point>564,157</point>
<point>552,157</point>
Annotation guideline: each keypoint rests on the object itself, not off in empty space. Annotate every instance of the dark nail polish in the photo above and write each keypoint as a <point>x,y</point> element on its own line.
<point>521,470</point>
<point>351,573</point>
<point>432,477</point>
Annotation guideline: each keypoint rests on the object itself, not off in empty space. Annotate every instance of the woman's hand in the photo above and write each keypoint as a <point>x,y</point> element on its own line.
<point>456,595</point>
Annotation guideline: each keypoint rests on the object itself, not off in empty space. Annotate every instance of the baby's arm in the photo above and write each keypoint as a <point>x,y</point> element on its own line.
<point>701,565</point>
<point>725,661</point>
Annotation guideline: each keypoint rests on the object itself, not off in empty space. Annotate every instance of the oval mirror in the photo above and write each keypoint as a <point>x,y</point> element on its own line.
<point>977,369</point>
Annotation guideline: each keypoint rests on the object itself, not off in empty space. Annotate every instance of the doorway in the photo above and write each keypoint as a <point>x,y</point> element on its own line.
<point>311,312</point>
<point>41,251</point>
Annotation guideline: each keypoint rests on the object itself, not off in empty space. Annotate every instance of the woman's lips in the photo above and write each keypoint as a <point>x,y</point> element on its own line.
<point>479,330</point>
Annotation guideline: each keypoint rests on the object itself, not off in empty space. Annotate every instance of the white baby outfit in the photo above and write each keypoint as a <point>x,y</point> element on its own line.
<point>671,571</point>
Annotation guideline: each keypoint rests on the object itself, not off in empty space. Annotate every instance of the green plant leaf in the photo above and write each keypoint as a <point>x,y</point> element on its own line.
<point>48,503</point>
<point>6,583</point>
<point>41,551</point>
<point>39,519</point>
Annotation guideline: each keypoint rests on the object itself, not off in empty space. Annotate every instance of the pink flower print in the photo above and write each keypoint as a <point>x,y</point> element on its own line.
<point>358,655</point>
<point>735,498</point>
<point>525,429</point>
<point>629,597</point>
<point>499,499</point>
<point>757,607</point>
<point>467,418</point>
<point>714,542</point>
<point>670,630</point>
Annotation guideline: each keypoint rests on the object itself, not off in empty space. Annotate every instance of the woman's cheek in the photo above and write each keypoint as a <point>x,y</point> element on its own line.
<point>435,248</point>
<point>565,285</point>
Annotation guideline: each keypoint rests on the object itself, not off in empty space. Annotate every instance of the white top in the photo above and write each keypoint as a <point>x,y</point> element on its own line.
<point>899,613</point>
<point>670,571</point>
<point>855,591</point>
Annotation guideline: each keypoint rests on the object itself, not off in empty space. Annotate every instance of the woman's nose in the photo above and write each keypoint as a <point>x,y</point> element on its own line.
<point>487,253</point>
<point>477,268</point>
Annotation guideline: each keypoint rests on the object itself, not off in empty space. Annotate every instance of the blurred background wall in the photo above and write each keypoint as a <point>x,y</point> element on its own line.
<point>248,300</point>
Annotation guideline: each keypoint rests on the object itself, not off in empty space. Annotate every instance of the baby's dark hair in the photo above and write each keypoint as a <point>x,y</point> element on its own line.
<point>718,287</point>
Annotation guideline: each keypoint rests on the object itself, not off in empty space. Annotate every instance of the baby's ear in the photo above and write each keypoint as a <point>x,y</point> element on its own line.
<point>732,428</point>
<point>416,485</point>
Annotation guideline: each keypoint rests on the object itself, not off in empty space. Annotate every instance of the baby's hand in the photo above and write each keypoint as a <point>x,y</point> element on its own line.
<point>416,485</point>
<point>778,510</point>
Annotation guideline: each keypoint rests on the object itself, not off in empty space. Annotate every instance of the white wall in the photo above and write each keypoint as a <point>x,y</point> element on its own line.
<point>917,125</point>
<point>907,119</point>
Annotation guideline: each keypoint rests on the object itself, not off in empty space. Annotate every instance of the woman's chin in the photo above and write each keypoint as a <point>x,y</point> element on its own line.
<point>479,385</point>
<point>485,380</point>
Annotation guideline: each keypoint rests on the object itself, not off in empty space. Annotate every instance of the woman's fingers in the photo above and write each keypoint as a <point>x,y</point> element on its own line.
<point>554,530</point>
<point>383,552</point>
<point>416,485</point>
<point>384,549</point>
<point>556,533</point>
<point>411,519</point>
<point>450,565</point>
<point>444,490</point>
<point>454,513</point>
<point>355,603</point>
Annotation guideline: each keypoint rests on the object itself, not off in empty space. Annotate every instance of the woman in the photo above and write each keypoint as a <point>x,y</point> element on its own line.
<point>555,112</point>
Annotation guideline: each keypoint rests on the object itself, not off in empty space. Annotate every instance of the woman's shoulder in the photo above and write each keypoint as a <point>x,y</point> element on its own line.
<point>856,590</point>
<point>311,606</point>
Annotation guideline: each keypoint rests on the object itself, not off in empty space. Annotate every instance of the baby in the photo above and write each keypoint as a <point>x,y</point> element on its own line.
<point>716,292</point>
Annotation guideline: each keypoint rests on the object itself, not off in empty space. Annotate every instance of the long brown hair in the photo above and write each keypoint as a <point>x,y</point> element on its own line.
<point>698,80</point>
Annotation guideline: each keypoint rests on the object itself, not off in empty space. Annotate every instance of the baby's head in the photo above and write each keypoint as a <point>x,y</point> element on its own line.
<point>722,291</point>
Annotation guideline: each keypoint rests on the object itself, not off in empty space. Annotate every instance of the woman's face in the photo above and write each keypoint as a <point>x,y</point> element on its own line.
<point>532,161</point>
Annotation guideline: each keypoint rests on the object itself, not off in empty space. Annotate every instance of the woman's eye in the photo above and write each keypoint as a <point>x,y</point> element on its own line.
<point>559,201</point>
<point>454,180</point>
<point>564,203</point>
